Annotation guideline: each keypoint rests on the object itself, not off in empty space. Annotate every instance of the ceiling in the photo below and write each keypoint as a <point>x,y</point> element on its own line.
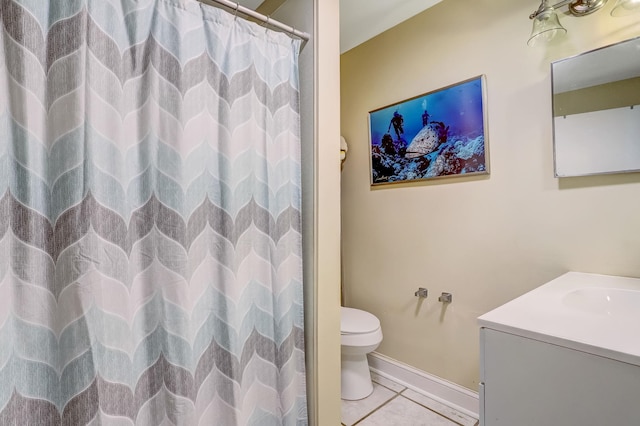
<point>361,20</point>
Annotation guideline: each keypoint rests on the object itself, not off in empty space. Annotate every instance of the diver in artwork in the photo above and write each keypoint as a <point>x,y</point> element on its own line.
<point>425,114</point>
<point>397,122</point>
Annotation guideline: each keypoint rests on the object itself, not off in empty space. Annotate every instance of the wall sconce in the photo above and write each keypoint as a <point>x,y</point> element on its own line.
<point>626,7</point>
<point>546,25</point>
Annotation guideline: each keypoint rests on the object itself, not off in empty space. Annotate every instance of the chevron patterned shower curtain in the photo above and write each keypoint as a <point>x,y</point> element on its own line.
<point>150,236</point>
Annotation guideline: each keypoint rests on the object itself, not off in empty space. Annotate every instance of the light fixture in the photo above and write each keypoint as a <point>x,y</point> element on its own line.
<point>625,7</point>
<point>585,7</point>
<point>546,25</point>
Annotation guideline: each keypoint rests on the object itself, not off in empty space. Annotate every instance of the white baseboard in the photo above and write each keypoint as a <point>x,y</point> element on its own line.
<point>448,393</point>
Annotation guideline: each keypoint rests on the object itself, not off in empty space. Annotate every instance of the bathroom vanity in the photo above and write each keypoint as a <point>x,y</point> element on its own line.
<point>566,353</point>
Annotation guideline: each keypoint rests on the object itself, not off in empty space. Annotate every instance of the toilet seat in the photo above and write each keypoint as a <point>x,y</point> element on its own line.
<point>356,321</point>
<point>360,334</point>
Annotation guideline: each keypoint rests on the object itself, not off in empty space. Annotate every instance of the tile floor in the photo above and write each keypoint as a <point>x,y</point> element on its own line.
<point>392,404</point>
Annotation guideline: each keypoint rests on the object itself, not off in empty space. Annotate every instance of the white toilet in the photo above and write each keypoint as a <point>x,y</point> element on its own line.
<point>360,333</point>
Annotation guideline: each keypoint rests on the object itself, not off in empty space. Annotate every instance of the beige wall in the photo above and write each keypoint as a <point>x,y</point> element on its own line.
<point>485,239</point>
<point>327,212</point>
<point>326,217</point>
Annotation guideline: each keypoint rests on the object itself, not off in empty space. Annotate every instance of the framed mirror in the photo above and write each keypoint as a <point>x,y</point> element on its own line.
<point>596,111</point>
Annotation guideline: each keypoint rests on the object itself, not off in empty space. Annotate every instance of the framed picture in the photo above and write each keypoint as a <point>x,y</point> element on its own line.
<point>433,135</point>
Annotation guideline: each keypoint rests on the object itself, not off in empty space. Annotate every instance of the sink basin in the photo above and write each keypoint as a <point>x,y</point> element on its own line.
<point>592,313</point>
<point>614,302</point>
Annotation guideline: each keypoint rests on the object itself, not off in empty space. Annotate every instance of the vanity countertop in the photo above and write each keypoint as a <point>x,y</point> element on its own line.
<point>597,314</point>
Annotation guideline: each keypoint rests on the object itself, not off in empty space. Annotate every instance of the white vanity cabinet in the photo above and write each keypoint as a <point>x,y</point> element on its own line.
<point>564,354</point>
<point>527,382</point>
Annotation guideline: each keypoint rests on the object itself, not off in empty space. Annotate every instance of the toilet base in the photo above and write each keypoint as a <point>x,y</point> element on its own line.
<point>355,377</point>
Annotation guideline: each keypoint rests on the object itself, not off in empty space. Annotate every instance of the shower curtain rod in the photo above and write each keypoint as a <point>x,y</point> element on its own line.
<point>266,19</point>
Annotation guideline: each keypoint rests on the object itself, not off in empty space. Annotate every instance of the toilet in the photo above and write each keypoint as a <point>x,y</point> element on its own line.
<point>360,333</point>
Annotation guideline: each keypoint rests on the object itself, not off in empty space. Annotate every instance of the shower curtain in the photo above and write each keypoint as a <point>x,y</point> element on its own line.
<point>150,235</point>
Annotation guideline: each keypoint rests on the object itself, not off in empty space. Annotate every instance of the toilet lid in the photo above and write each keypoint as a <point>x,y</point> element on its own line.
<point>357,321</point>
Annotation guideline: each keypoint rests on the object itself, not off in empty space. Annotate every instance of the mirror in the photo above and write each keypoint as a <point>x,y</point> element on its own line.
<point>596,111</point>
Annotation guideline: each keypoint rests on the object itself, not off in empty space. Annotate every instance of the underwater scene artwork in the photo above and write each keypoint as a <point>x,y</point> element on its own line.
<point>437,134</point>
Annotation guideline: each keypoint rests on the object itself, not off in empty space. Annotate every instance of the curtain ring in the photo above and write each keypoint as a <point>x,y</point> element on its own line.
<point>266,23</point>
<point>235,15</point>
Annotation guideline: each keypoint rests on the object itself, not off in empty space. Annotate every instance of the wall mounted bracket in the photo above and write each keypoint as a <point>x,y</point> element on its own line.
<point>422,292</point>
<point>445,298</point>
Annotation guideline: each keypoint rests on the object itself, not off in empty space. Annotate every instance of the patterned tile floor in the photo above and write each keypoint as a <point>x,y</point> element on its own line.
<point>392,404</point>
